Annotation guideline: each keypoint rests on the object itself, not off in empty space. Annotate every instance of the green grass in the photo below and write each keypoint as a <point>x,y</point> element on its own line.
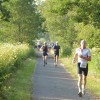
<point>93,86</point>
<point>19,87</point>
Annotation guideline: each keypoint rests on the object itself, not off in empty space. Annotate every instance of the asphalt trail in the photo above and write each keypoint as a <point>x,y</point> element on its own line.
<point>54,83</point>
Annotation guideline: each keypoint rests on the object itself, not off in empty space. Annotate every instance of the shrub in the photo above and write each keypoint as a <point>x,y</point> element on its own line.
<point>65,51</point>
<point>10,57</point>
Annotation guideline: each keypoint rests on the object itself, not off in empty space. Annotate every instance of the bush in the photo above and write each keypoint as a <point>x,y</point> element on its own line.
<point>96,61</point>
<point>10,57</point>
<point>66,51</point>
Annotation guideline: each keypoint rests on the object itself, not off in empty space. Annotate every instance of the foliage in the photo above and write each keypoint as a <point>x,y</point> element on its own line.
<point>66,51</point>
<point>89,33</point>
<point>19,86</point>
<point>24,21</point>
<point>10,55</point>
<point>96,59</point>
<point>69,21</point>
<point>4,13</point>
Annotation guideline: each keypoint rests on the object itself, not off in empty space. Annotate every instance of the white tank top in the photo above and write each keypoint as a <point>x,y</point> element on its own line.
<point>85,52</point>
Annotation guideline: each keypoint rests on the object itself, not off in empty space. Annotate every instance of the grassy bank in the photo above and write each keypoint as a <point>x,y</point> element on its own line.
<point>10,57</point>
<point>19,87</point>
<point>16,68</point>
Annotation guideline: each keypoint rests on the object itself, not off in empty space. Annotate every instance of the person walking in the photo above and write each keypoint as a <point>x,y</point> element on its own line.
<point>45,50</point>
<point>38,45</point>
<point>84,56</point>
<point>56,53</point>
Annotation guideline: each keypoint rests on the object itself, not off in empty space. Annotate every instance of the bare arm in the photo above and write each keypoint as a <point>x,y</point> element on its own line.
<point>41,48</point>
<point>74,59</point>
<point>85,58</point>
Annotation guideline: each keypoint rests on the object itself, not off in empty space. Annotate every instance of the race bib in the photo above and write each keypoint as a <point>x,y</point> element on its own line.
<point>83,65</point>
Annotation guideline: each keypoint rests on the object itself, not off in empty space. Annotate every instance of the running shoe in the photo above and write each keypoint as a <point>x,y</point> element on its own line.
<point>80,94</point>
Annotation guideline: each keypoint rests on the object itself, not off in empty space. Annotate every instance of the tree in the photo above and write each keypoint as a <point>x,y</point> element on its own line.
<point>25,22</point>
<point>62,16</point>
<point>5,14</point>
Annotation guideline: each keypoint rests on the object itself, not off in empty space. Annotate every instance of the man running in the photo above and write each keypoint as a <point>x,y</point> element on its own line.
<point>45,50</point>
<point>84,56</point>
<point>56,53</point>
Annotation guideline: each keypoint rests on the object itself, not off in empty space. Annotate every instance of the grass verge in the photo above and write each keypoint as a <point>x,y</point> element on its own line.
<point>19,87</point>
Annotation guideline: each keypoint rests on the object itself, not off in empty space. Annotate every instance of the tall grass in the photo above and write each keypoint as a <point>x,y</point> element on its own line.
<point>10,56</point>
<point>19,87</point>
<point>9,53</point>
<point>94,72</point>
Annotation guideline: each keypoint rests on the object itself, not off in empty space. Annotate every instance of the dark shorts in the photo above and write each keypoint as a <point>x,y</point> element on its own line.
<point>45,54</point>
<point>56,54</point>
<point>38,46</point>
<point>82,70</point>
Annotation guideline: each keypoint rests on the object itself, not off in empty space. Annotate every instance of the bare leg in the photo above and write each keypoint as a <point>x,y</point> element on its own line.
<point>54,59</point>
<point>57,59</point>
<point>80,85</point>
<point>46,59</point>
<point>84,83</point>
<point>80,82</point>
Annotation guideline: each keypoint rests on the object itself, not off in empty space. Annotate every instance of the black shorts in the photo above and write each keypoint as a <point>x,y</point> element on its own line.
<point>56,54</point>
<point>82,70</point>
<point>39,46</point>
<point>45,54</point>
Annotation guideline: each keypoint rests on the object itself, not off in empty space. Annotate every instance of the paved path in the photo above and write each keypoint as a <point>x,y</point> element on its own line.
<point>54,83</point>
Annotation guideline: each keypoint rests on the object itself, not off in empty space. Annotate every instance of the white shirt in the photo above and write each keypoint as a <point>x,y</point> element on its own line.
<point>38,43</point>
<point>85,52</point>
